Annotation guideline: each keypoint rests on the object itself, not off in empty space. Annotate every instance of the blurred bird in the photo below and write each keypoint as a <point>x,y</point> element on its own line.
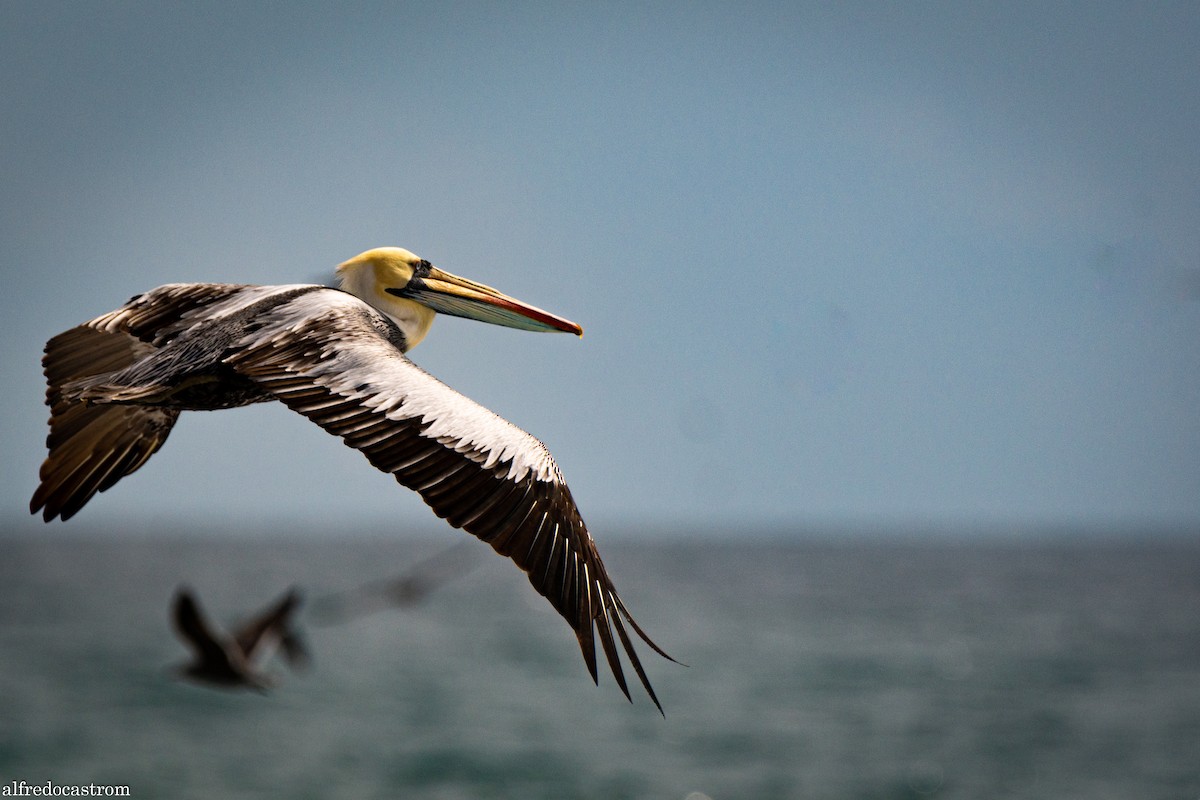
<point>403,591</point>
<point>117,384</point>
<point>232,662</point>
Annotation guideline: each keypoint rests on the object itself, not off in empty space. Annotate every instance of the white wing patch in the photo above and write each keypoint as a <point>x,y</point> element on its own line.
<point>242,300</point>
<point>357,363</point>
<point>237,298</point>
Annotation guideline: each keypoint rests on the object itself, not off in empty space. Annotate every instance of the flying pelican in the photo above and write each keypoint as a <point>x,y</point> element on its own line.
<point>117,384</point>
<point>229,661</point>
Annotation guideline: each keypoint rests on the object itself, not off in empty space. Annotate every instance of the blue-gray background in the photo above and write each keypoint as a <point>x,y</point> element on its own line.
<point>899,264</point>
<point>915,267</point>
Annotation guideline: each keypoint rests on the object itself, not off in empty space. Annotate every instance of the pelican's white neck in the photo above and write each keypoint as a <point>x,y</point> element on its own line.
<point>368,282</point>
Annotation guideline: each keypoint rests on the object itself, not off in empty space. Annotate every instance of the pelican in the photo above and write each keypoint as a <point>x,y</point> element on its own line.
<point>229,661</point>
<point>117,384</point>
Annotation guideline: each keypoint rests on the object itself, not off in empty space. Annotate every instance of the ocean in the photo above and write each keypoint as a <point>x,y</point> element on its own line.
<point>865,667</point>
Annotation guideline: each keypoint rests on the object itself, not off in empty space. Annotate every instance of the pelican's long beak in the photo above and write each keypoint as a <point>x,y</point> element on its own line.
<point>459,297</point>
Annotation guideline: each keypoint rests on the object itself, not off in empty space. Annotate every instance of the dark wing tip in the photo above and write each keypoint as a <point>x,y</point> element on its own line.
<point>188,620</point>
<point>642,634</point>
<point>38,503</point>
<point>183,604</point>
<point>276,620</point>
<point>598,616</point>
<point>91,448</point>
<point>633,657</point>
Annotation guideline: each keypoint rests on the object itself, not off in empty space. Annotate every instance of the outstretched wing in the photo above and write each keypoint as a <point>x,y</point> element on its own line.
<point>91,447</point>
<point>330,357</point>
<point>190,624</point>
<point>274,624</point>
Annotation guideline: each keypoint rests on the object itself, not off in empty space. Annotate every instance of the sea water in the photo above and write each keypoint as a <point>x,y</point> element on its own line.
<point>818,667</point>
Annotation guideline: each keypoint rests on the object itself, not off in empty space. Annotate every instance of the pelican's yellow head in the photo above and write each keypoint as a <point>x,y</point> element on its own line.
<point>410,290</point>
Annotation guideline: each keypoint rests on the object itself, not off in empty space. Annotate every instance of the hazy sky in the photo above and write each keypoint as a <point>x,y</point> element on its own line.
<point>841,263</point>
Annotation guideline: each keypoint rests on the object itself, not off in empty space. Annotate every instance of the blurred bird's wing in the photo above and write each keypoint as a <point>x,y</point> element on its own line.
<point>273,625</point>
<point>191,626</point>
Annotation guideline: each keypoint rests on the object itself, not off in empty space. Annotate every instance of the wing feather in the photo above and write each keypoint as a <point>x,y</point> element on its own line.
<point>190,623</point>
<point>93,447</point>
<point>273,624</point>
<point>330,359</point>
